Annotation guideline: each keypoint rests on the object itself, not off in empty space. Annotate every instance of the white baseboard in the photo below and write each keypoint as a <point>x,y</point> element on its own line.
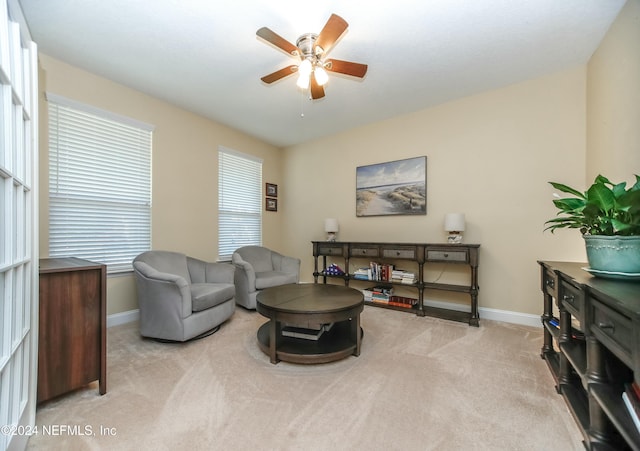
<point>506,316</point>
<point>117,319</point>
<point>525,319</point>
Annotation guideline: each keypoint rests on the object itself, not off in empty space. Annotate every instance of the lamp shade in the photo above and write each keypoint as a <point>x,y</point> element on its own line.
<point>331,225</point>
<point>454,222</point>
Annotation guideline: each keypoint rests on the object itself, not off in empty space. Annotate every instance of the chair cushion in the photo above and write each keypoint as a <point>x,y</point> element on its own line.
<point>268,279</point>
<point>207,295</point>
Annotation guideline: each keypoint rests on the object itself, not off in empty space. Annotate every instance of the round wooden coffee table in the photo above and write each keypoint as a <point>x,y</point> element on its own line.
<point>308,306</point>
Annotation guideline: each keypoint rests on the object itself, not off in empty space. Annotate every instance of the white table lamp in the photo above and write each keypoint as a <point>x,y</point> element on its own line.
<point>454,224</point>
<point>331,227</point>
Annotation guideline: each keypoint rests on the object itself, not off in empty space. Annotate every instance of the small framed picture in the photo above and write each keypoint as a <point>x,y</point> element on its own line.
<point>272,190</point>
<point>271,204</point>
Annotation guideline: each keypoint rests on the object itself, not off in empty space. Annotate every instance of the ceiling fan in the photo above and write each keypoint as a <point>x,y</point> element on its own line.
<point>311,49</point>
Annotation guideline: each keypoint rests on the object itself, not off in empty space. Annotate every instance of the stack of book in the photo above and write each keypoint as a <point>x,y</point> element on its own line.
<point>384,273</point>
<point>384,295</point>
<point>362,274</point>
<point>312,332</point>
<point>378,295</point>
<point>402,276</point>
<point>631,398</point>
<point>401,301</point>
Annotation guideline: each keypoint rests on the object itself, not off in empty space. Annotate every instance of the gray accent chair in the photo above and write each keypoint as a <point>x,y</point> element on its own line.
<point>181,297</point>
<point>258,268</point>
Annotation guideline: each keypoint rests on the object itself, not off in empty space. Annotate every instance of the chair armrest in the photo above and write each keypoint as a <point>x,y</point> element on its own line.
<point>244,270</point>
<point>163,288</point>
<point>151,273</point>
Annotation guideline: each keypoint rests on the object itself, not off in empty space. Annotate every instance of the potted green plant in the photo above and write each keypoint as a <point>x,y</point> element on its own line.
<point>608,216</point>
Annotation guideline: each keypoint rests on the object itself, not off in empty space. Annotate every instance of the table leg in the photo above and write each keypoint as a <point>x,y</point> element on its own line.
<point>273,338</point>
<point>356,334</point>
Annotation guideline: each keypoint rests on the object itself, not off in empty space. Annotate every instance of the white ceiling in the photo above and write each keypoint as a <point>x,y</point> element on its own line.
<point>204,56</point>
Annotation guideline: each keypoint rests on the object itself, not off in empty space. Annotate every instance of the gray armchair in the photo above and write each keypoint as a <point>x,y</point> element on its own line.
<point>258,268</point>
<point>181,297</point>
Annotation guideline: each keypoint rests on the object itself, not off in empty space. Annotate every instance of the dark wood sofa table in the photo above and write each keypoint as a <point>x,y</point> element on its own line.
<point>305,306</point>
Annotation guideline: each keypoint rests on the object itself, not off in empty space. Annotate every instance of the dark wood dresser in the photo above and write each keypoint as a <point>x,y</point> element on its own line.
<point>592,347</point>
<point>72,332</point>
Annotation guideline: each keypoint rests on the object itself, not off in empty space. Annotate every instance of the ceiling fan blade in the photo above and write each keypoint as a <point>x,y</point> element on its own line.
<point>277,75</point>
<point>317,91</point>
<point>278,41</point>
<point>333,29</point>
<point>346,67</point>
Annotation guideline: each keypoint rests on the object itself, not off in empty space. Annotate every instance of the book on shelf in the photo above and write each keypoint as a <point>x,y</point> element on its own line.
<point>312,332</point>
<point>403,301</point>
<point>377,294</point>
<point>575,333</point>
<point>402,276</point>
<point>408,278</point>
<point>384,295</point>
<point>384,273</point>
<point>381,271</point>
<point>362,274</point>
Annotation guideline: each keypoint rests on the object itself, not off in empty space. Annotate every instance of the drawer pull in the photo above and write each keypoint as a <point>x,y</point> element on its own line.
<point>446,255</point>
<point>551,283</point>
<point>606,326</point>
<point>568,299</point>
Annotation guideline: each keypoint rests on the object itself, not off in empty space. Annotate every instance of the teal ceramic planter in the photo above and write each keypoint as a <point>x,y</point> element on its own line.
<point>613,253</point>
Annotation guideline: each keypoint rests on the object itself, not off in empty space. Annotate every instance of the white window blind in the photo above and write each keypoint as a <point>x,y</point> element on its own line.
<point>239,201</point>
<point>99,186</point>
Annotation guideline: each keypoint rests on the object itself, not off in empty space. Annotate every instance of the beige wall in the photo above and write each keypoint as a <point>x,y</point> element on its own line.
<point>489,156</point>
<point>184,168</point>
<point>613,93</point>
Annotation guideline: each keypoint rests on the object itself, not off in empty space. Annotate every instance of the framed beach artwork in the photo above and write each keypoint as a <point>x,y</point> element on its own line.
<point>394,188</point>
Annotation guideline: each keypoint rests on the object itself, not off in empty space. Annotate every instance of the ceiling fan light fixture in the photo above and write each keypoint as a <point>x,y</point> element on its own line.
<point>303,81</point>
<point>305,68</point>
<point>321,75</point>
<point>311,50</point>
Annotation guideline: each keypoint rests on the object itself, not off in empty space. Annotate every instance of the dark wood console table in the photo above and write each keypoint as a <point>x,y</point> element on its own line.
<point>418,253</point>
<point>72,339</point>
<point>592,347</point>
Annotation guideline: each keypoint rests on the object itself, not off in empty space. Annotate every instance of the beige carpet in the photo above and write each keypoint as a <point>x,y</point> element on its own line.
<point>419,384</point>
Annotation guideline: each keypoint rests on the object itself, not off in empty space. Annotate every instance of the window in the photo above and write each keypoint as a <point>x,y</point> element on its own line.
<point>99,185</point>
<point>239,201</point>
